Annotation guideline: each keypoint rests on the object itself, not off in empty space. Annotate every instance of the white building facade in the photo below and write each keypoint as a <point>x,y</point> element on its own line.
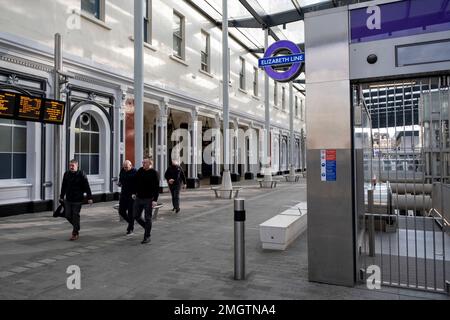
<point>183,89</point>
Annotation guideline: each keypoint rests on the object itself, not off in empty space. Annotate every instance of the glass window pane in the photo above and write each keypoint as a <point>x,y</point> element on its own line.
<point>19,166</point>
<point>146,39</point>
<point>84,163</point>
<point>176,46</point>
<point>91,6</point>
<point>20,122</point>
<point>95,164</point>
<point>20,140</point>
<point>205,42</point>
<point>84,142</point>
<point>94,125</point>
<point>76,156</point>
<point>95,141</point>
<point>176,25</point>
<point>5,166</point>
<point>6,139</point>
<point>5,121</point>
<point>77,143</point>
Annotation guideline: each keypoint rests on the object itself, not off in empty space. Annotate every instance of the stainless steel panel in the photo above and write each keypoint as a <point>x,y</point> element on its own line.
<point>326,46</point>
<point>330,222</point>
<point>386,64</point>
<point>331,246</point>
<point>328,115</point>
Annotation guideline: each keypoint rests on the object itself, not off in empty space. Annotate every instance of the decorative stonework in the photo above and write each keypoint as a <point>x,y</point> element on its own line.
<point>13,79</point>
<point>25,62</point>
<point>92,96</point>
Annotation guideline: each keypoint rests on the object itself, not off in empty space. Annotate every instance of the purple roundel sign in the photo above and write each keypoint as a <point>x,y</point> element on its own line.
<point>295,59</point>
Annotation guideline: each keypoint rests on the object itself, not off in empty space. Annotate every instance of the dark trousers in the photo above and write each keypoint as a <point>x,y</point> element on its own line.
<point>72,211</point>
<point>126,210</point>
<point>175,191</point>
<point>146,205</point>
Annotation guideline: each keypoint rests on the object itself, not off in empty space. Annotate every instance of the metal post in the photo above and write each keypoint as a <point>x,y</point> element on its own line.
<point>139,80</point>
<point>371,224</point>
<point>239,239</point>
<point>226,179</point>
<point>57,130</point>
<point>267,171</point>
<point>291,128</point>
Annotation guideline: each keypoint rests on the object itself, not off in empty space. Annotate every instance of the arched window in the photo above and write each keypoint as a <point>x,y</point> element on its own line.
<point>13,149</point>
<point>87,141</point>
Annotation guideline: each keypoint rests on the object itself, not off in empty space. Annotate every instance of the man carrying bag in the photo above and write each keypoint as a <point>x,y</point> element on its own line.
<point>75,184</point>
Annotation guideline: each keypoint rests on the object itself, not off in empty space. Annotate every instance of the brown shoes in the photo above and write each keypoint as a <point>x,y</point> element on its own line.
<point>74,237</point>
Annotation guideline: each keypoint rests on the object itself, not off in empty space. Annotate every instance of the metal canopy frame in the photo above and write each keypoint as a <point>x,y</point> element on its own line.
<point>268,21</point>
<point>283,18</point>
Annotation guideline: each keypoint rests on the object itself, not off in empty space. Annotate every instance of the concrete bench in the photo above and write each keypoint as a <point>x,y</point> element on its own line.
<point>281,230</point>
<point>155,210</point>
<point>267,184</point>
<point>220,189</point>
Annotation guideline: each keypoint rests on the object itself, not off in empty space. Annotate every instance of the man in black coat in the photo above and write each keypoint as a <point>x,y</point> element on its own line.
<point>175,177</point>
<point>146,195</point>
<point>74,185</point>
<point>126,203</point>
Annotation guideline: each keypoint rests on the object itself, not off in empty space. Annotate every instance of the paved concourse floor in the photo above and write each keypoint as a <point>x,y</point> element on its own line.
<point>190,255</point>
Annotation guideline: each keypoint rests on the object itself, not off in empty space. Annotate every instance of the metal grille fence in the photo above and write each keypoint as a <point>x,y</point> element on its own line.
<point>407,181</point>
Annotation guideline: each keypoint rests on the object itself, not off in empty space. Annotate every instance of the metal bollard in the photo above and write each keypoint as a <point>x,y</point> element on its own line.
<point>239,239</point>
<point>371,224</point>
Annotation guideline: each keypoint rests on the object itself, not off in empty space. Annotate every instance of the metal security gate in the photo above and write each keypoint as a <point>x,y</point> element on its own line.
<point>402,160</point>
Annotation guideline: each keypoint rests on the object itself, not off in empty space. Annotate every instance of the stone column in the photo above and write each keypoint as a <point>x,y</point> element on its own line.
<point>249,155</point>
<point>194,127</point>
<point>161,142</point>
<point>216,141</point>
<point>234,163</point>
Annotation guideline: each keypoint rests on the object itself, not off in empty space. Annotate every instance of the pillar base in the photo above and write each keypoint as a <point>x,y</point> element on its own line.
<point>249,176</point>
<point>215,180</point>
<point>192,183</point>
<point>235,177</point>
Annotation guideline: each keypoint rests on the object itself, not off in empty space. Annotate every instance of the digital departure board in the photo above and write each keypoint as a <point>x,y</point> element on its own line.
<point>54,111</point>
<point>7,104</point>
<point>29,108</point>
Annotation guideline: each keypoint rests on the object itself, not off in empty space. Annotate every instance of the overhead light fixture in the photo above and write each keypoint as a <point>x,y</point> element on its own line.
<point>400,84</point>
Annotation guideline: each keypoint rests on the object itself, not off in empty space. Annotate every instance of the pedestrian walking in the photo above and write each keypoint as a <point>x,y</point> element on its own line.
<point>146,195</point>
<point>126,202</point>
<point>175,179</point>
<point>74,186</point>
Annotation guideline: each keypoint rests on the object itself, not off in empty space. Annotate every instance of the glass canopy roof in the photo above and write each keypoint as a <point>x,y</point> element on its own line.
<point>253,38</point>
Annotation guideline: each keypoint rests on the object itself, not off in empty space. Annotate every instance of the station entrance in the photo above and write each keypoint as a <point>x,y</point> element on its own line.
<point>402,173</point>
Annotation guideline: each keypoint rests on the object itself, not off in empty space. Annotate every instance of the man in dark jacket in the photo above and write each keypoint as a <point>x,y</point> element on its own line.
<point>126,202</point>
<point>146,195</point>
<point>74,185</point>
<point>175,177</point>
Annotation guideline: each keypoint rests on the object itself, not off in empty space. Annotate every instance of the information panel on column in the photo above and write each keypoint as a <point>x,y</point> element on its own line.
<point>28,108</point>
